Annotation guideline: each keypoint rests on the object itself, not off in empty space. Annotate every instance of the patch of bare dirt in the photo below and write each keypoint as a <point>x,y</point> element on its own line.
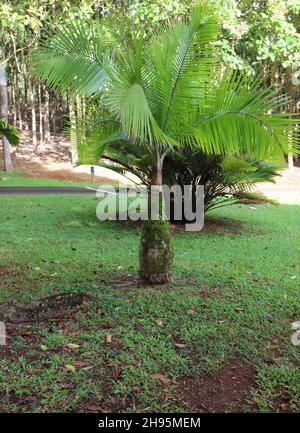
<point>211,226</point>
<point>282,403</point>
<point>226,390</point>
<point>214,226</point>
<point>222,225</point>
<point>52,161</point>
<point>45,308</point>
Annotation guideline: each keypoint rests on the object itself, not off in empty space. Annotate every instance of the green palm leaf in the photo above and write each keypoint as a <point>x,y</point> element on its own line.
<point>74,59</point>
<point>181,62</point>
<point>9,132</point>
<point>240,119</point>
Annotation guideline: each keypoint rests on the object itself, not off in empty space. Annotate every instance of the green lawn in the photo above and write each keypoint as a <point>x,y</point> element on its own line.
<point>234,297</point>
<point>18,178</point>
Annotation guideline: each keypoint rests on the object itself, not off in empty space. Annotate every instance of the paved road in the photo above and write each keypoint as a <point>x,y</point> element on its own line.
<point>20,190</point>
<point>46,190</point>
<point>289,195</point>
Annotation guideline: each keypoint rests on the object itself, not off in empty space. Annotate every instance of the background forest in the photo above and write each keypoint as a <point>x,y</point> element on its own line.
<point>258,36</point>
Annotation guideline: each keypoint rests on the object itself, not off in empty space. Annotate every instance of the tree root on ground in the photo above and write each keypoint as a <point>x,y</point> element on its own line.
<point>44,308</point>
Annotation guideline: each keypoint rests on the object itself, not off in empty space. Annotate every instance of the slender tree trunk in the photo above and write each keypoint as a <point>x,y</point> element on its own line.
<point>291,91</point>
<point>25,105</point>
<point>19,101</point>
<point>46,115</point>
<point>290,162</point>
<point>156,252</point>
<point>33,113</point>
<point>18,92</point>
<point>265,73</point>
<point>73,133</point>
<point>13,98</point>
<point>83,115</point>
<point>4,114</point>
<point>41,130</point>
<point>53,113</point>
<point>62,111</point>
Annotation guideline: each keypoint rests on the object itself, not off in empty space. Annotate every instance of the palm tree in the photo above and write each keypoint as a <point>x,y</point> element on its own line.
<point>161,92</point>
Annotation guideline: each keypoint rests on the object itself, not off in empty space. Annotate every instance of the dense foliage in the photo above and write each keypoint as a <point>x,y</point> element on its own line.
<point>226,180</point>
<point>258,36</point>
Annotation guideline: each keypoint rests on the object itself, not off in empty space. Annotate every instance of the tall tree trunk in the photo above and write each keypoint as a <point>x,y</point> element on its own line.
<point>33,113</point>
<point>25,92</point>
<point>46,115</point>
<point>4,114</point>
<point>290,162</point>
<point>62,111</point>
<point>18,91</point>
<point>72,117</point>
<point>53,112</point>
<point>13,100</point>
<point>156,252</point>
<point>265,74</point>
<point>41,129</point>
<point>19,101</point>
<point>291,93</point>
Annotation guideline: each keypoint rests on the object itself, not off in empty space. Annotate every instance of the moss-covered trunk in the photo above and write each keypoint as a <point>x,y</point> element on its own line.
<point>156,252</point>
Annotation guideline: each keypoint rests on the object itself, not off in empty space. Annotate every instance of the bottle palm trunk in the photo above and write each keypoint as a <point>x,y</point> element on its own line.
<point>156,252</point>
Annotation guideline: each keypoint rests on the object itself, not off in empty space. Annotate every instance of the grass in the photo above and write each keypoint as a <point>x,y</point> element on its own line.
<point>234,295</point>
<point>18,178</point>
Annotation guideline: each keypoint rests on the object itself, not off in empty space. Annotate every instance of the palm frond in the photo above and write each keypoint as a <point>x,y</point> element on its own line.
<point>254,198</point>
<point>128,103</point>
<point>241,120</point>
<point>10,132</point>
<point>74,59</point>
<point>91,144</point>
<point>181,63</point>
